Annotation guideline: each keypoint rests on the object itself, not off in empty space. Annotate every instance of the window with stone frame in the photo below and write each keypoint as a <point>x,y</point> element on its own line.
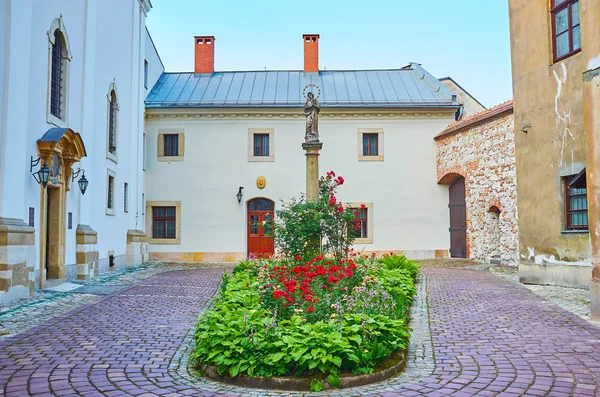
<point>576,208</point>
<point>566,36</point>
<point>261,145</point>
<point>359,227</point>
<point>171,145</point>
<point>371,144</point>
<point>164,222</point>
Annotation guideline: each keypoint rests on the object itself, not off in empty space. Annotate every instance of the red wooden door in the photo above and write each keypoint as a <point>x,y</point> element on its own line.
<point>458,219</point>
<point>260,215</point>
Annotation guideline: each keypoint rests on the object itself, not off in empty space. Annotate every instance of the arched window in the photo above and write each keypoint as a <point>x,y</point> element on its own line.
<point>56,84</point>
<point>112,122</point>
<point>58,73</point>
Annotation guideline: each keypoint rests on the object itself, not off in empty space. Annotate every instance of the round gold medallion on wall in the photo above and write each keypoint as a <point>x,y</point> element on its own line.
<point>261,182</point>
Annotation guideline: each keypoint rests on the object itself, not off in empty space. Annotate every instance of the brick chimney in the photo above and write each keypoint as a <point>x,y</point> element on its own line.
<point>311,52</point>
<point>204,57</point>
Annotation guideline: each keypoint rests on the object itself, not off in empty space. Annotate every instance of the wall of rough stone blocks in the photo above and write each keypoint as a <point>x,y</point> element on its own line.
<point>485,155</point>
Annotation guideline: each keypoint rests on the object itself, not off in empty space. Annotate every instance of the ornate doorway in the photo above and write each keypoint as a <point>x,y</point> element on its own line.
<point>260,215</point>
<point>59,148</point>
<point>458,219</point>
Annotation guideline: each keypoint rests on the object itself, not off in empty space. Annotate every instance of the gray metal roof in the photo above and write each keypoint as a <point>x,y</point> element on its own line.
<point>409,87</point>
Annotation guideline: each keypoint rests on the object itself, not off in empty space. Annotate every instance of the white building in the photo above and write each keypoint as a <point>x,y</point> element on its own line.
<point>71,91</point>
<point>209,133</point>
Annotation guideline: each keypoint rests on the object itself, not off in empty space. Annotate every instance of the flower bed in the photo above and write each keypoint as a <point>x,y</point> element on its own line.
<point>317,318</point>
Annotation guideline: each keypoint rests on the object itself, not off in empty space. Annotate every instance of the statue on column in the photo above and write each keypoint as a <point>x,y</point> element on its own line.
<point>311,111</point>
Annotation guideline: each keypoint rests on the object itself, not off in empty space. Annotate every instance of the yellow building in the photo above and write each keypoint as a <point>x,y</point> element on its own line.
<point>554,44</point>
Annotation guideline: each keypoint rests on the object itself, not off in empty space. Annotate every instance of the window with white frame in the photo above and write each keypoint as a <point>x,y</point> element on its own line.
<point>126,197</point>
<point>112,123</point>
<point>110,192</point>
<point>59,55</point>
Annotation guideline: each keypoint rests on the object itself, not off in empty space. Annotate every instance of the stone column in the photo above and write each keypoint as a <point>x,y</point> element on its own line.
<point>87,252</point>
<point>590,44</point>
<point>17,260</point>
<point>312,169</point>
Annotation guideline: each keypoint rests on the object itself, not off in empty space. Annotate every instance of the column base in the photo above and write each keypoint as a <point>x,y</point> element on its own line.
<point>595,300</point>
<point>137,248</point>
<point>17,259</point>
<point>86,252</point>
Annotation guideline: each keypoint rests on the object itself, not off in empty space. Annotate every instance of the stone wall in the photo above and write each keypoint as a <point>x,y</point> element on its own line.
<point>481,148</point>
<point>17,260</point>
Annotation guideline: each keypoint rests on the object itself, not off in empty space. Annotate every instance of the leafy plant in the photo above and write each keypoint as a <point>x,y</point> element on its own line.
<point>392,262</point>
<point>351,325</point>
<point>302,225</point>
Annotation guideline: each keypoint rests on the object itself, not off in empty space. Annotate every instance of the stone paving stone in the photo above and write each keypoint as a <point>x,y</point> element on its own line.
<point>488,336</point>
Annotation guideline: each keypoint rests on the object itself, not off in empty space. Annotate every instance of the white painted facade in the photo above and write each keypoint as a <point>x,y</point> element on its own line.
<point>410,211</point>
<point>108,43</point>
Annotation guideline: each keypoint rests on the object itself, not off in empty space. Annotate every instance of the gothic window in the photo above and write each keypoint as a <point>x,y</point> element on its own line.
<point>58,74</point>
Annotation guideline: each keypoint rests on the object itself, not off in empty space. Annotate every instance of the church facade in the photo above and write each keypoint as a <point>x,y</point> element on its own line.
<point>71,110</point>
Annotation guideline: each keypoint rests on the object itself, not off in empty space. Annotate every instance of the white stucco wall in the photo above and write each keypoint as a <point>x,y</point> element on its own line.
<point>107,40</point>
<point>155,65</point>
<point>410,210</point>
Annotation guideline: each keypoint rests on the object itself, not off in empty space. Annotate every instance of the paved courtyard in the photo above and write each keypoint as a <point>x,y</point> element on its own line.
<point>489,337</point>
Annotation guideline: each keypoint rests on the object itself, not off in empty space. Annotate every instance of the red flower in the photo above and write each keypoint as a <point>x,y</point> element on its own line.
<point>310,309</point>
<point>362,206</point>
<point>339,180</point>
<point>340,208</point>
<point>278,294</point>
<point>323,286</point>
<point>332,280</point>
<point>298,257</point>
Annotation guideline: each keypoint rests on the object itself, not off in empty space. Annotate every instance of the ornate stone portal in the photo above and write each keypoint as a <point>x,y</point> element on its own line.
<point>59,148</point>
<point>311,144</point>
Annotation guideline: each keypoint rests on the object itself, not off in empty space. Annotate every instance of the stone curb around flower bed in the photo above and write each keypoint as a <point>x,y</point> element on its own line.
<point>292,383</point>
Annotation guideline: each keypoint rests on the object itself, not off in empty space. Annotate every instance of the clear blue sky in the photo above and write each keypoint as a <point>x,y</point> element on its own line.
<point>467,40</point>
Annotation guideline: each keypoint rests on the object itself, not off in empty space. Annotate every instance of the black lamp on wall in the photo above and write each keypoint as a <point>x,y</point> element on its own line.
<point>240,194</point>
<point>42,176</point>
<point>83,182</point>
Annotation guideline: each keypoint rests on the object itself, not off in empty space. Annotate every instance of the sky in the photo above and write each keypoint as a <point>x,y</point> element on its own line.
<point>467,40</point>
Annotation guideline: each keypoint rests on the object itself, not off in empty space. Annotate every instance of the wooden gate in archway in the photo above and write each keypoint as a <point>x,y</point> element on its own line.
<point>458,219</point>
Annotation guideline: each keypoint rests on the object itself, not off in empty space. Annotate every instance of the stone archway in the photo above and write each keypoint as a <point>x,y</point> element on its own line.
<point>59,148</point>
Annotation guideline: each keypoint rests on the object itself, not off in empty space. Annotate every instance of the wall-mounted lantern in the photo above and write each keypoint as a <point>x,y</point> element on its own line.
<point>42,176</point>
<point>83,182</point>
<point>240,194</point>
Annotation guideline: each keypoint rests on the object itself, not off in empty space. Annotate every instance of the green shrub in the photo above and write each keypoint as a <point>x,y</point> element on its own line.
<point>351,325</point>
<point>392,262</point>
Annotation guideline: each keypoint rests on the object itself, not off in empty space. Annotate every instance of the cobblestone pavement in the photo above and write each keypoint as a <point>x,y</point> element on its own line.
<point>575,300</point>
<point>489,336</point>
<point>25,314</point>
